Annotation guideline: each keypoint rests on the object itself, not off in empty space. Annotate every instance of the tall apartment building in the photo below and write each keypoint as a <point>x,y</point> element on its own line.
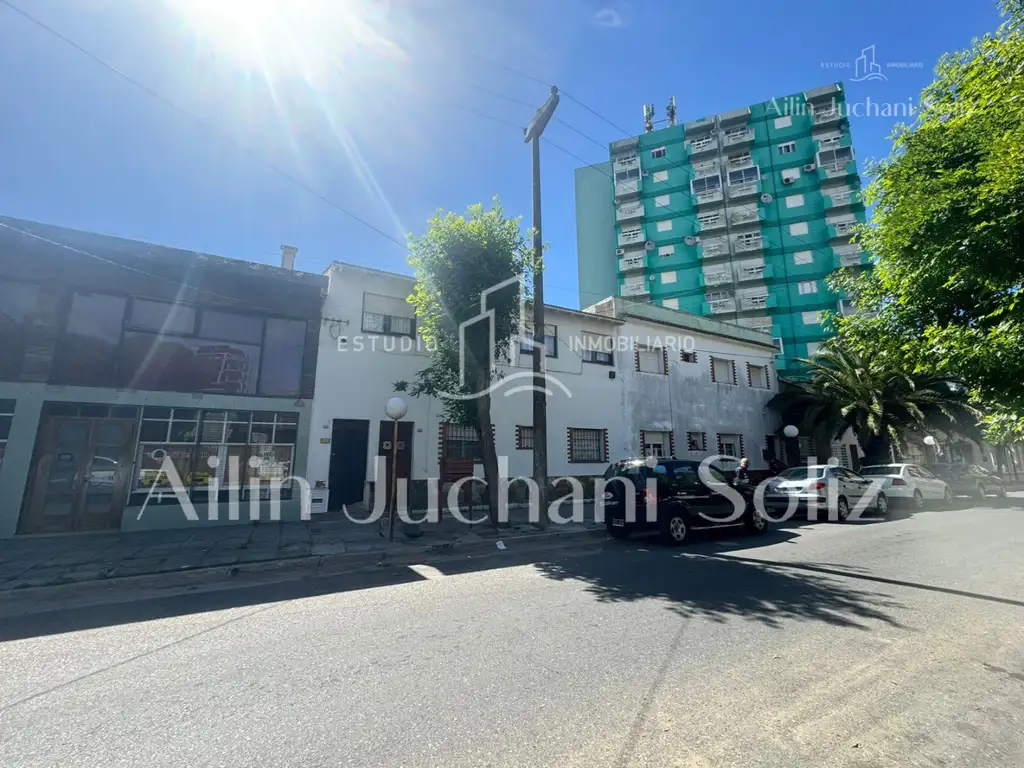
<point>738,216</point>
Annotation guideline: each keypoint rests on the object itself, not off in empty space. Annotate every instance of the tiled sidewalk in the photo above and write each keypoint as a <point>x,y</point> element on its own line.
<point>42,561</point>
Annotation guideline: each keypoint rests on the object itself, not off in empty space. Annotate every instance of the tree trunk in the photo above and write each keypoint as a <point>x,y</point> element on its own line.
<point>877,450</point>
<point>490,454</point>
<point>823,444</point>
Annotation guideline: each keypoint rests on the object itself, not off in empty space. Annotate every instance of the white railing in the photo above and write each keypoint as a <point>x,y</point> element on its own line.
<point>722,305</point>
<point>634,289</point>
<point>629,211</point>
<point>844,227</point>
<point>845,250</point>
<point>626,163</point>
<point>630,187</point>
<point>738,137</point>
<point>843,198</point>
<point>835,169</point>
<point>742,190</point>
<point>711,222</point>
<point>748,244</point>
<point>849,259</point>
<point>740,162</point>
<point>717,278</point>
<point>714,247</point>
<point>631,237</point>
<point>752,273</point>
<point>744,215</point>
<point>754,302</point>
<point>711,196</point>
<point>627,263</point>
<point>826,115</point>
<point>703,143</point>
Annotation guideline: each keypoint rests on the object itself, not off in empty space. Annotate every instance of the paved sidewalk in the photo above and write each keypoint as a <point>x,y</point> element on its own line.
<point>47,561</point>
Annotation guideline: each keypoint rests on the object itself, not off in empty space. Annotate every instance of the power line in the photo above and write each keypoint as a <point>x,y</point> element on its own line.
<point>206,123</point>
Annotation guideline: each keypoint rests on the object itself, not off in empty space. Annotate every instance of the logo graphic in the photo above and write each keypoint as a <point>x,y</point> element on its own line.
<point>525,340</point>
<point>866,67</point>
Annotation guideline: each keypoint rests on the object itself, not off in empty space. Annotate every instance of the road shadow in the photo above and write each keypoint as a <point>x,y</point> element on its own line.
<point>708,582</point>
<point>697,581</point>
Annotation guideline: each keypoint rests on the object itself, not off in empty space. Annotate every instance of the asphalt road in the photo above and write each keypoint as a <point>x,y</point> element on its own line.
<point>870,644</point>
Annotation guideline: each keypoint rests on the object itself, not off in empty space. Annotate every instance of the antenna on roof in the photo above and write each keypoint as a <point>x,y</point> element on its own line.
<point>670,110</point>
<point>648,117</point>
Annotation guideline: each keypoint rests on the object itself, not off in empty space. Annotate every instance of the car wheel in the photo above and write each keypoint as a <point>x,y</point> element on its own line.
<point>843,509</point>
<point>947,497</point>
<point>918,500</point>
<point>621,533</point>
<point>982,492</point>
<point>1001,491</point>
<point>882,504</point>
<point>674,528</point>
<point>755,522</point>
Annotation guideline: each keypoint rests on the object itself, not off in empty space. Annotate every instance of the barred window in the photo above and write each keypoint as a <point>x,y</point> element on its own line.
<point>588,445</point>
<point>696,441</point>
<point>524,438</point>
<point>462,442</point>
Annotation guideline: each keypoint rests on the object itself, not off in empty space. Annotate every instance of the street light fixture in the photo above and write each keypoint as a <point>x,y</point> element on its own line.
<point>790,431</point>
<point>395,409</point>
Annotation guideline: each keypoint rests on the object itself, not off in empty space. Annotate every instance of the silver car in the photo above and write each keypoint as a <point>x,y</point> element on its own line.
<point>837,491</point>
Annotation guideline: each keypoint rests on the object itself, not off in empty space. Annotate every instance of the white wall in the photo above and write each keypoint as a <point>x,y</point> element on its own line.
<point>356,373</point>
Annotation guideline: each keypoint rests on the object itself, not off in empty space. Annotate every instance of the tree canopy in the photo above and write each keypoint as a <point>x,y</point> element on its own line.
<point>945,296</point>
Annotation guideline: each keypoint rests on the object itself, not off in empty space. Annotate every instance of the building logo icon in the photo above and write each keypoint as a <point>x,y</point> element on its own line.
<point>487,314</point>
<point>866,68</point>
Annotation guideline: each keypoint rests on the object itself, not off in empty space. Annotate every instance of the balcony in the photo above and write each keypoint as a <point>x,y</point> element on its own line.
<point>754,302</point>
<point>711,196</point>
<point>841,228</point>
<point>633,262</point>
<point>759,324</point>
<point>704,123</point>
<point>754,272</point>
<point>626,163</point>
<point>638,288</point>
<point>747,244</point>
<point>702,145</point>
<point>824,91</point>
<point>719,306</point>
<point>623,144</point>
<point>626,211</point>
<point>735,115</point>
<point>745,216</point>
<point>716,246</point>
<point>840,199</point>
<point>837,170</point>
<point>825,116</point>
<point>747,189</point>
<point>736,137</point>
<point>626,188</point>
<point>849,255</point>
<point>631,237</point>
<point>709,222</point>
<point>718,277</point>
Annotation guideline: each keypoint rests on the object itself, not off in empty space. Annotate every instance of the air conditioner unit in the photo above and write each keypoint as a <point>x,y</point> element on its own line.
<point>810,167</point>
<point>649,245</point>
<point>787,181</point>
<point>646,173</point>
<point>620,251</point>
<point>690,240</point>
<point>616,201</point>
<point>766,198</point>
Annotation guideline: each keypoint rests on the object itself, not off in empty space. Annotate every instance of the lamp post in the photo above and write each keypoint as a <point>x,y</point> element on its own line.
<point>790,432</point>
<point>932,443</point>
<point>395,410</point>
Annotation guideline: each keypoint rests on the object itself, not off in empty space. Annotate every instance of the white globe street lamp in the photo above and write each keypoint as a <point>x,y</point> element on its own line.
<point>929,440</point>
<point>790,431</point>
<point>395,409</point>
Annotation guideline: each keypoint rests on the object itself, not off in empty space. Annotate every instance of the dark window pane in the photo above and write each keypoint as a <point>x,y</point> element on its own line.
<point>17,301</point>
<point>287,418</point>
<point>225,326</point>
<point>281,374</point>
<point>237,433</point>
<point>154,412</point>
<point>183,431</point>
<point>148,361</point>
<point>262,433</point>
<point>151,464</point>
<point>89,349</point>
<point>263,417</point>
<point>285,434</point>
<point>5,426</point>
<point>161,316</point>
<point>153,432</point>
<point>124,412</point>
<point>189,414</point>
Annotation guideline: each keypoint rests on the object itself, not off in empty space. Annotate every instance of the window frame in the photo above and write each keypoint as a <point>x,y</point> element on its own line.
<point>703,442</point>
<point>661,356</point>
<point>598,433</point>
<point>595,356</point>
<point>526,341</point>
<point>812,287</point>
<point>787,148</point>
<point>658,152</point>
<point>732,370</point>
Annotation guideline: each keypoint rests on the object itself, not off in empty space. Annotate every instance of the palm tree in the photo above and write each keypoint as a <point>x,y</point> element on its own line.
<point>863,391</point>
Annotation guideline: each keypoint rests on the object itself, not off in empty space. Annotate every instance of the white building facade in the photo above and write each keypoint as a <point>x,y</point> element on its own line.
<point>623,380</point>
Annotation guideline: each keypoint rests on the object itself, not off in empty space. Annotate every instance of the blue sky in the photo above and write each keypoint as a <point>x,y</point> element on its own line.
<point>366,104</point>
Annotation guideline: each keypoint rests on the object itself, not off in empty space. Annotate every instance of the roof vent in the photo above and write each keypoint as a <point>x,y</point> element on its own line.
<point>288,254</point>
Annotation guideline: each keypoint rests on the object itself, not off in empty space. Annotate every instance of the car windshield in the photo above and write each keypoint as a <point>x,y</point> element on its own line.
<point>801,473</point>
<point>881,469</point>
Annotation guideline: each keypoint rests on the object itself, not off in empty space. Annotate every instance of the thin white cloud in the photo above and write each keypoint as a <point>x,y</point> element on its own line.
<point>609,18</point>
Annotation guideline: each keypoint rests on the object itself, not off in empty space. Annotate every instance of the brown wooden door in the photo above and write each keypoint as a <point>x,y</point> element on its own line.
<point>82,475</point>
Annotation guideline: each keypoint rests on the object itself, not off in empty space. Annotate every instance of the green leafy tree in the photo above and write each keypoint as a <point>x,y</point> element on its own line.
<point>1003,427</point>
<point>863,391</point>
<point>945,295</point>
<point>457,260</point>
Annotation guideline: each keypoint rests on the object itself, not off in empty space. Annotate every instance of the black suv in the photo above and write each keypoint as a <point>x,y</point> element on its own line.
<point>684,502</point>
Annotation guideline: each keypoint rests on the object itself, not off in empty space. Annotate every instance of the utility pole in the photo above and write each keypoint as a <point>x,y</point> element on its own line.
<point>532,135</point>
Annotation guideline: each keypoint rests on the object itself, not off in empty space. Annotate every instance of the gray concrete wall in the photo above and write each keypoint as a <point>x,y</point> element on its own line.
<point>29,399</point>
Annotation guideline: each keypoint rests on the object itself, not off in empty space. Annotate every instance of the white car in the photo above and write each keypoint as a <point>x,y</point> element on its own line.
<point>822,487</point>
<point>909,482</point>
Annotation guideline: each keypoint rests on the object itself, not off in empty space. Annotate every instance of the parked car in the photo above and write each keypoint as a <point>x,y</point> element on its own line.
<point>809,486</point>
<point>909,482</point>
<point>969,479</point>
<point>684,501</point>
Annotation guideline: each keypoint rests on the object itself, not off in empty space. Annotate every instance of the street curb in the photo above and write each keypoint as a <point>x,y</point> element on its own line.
<point>80,593</point>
